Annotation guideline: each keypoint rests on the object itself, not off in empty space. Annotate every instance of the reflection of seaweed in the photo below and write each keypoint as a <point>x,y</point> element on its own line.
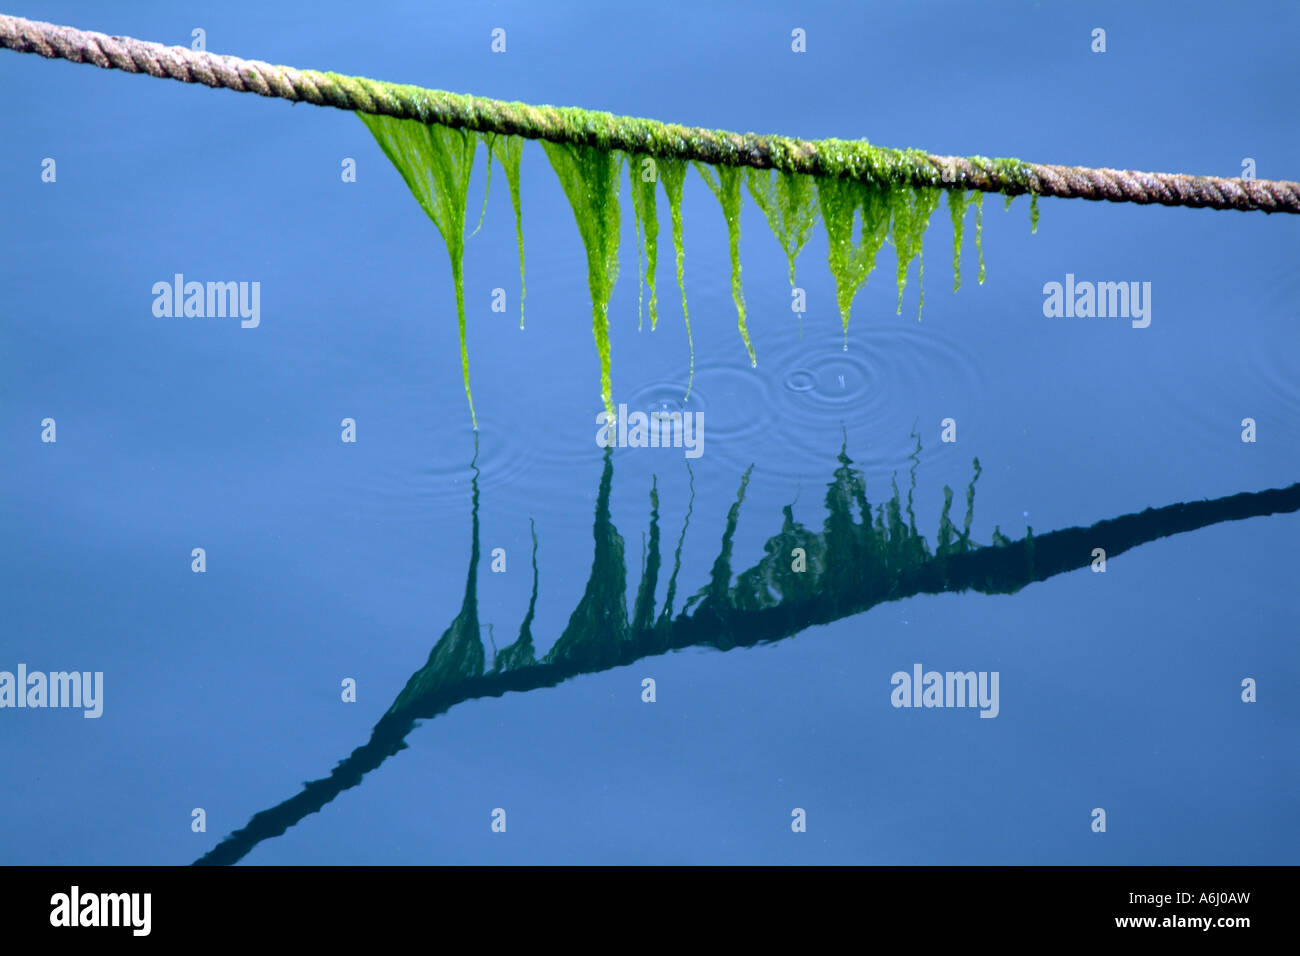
<point>520,653</point>
<point>598,625</point>
<point>859,559</point>
<point>458,655</point>
<point>665,615</point>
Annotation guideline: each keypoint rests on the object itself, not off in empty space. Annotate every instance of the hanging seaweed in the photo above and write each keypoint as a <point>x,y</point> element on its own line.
<point>860,215</point>
<point>590,180</point>
<point>958,202</point>
<point>672,173</point>
<point>643,178</point>
<point>912,209</point>
<point>487,184</point>
<point>726,187</point>
<point>508,151</point>
<point>790,204</point>
<point>843,202</point>
<point>435,162</point>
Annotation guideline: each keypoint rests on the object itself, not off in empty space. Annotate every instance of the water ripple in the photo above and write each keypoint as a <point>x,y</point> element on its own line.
<point>872,393</point>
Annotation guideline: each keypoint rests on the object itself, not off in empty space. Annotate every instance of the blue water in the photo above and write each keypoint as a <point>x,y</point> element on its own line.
<point>328,560</point>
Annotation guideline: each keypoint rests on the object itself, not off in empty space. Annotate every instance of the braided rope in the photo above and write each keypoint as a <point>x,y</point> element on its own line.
<point>853,159</point>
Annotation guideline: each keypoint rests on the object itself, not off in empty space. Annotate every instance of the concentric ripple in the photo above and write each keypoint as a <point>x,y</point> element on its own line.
<point>892,378</point>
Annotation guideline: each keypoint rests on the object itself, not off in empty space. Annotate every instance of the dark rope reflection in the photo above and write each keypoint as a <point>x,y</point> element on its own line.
<point>859,559</point>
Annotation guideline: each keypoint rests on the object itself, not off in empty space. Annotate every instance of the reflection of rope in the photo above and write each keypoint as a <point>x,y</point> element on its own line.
<point>856,160</point>
<point>1002,568</point>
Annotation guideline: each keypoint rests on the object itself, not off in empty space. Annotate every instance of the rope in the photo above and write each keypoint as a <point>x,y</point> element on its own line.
<point>852,159</point>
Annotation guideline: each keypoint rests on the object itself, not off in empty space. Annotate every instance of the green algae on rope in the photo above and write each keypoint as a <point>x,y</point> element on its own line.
<point>873,167</point>
<point>860,216</point>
